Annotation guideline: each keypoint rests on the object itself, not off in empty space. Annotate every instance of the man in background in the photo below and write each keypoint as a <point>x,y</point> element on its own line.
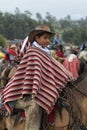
<point>57,40</point>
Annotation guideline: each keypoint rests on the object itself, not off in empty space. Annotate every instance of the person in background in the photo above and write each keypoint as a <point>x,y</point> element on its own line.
<point>7,47</point>
<point>11,53</point>
<point>57,53</point>
<point>82,47</point>
<point>83,54</point>
<point>72,63</point>
<point>57,40</point>
<point>83,59</point>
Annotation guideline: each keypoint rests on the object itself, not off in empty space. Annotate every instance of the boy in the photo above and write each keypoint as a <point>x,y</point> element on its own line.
<point>38,76</point>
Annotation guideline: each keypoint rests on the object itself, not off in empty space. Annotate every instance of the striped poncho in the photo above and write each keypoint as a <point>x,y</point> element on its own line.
<point>39,74</point>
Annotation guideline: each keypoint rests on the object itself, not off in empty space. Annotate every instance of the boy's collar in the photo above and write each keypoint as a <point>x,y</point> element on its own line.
<point>39,46</point>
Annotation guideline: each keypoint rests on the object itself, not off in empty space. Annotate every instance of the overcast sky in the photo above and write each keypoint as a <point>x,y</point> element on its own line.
<point>59,8</point>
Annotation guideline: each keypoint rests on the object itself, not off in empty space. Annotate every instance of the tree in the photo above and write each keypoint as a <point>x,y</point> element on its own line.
<point>39,18</point>
<point>2,41</point>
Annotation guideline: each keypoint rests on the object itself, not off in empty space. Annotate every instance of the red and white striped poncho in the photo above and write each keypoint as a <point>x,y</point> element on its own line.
<point>39,74</point>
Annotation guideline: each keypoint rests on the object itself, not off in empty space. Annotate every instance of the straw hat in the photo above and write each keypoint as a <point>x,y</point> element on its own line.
<point>38,30</point>
<point>13,46</point>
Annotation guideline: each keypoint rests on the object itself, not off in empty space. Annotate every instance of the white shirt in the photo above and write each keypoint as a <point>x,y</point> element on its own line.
<point>39,46</point>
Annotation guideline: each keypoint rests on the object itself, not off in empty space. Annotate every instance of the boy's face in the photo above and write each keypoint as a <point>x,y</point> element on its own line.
<point>43,40</point>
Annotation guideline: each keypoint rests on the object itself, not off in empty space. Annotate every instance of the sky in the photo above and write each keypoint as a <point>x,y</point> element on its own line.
<point>59,8</point>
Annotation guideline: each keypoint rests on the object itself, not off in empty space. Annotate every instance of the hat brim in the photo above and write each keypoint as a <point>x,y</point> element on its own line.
<point>36,32</point>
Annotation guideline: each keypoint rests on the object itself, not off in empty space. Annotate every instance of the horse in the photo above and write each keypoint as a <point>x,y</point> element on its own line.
<point>76,91</point>
<point>74,106</point>
<point>34,112</point>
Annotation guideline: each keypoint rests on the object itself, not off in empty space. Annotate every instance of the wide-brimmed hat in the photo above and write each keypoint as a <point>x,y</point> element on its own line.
<point>13,46</point>
<point>38,30</point>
